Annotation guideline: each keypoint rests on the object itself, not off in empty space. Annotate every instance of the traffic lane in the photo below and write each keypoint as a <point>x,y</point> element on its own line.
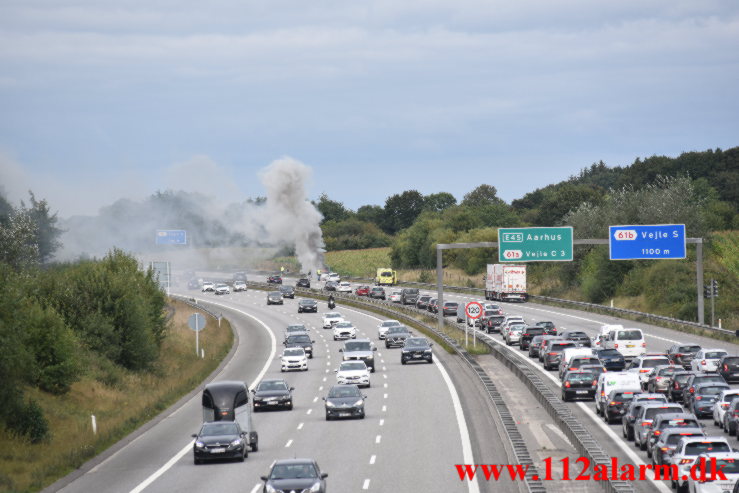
<point>160,440</point>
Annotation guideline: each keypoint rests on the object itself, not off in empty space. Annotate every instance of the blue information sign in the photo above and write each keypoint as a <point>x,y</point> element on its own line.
<point>654,241</point>
<point>171,237</point>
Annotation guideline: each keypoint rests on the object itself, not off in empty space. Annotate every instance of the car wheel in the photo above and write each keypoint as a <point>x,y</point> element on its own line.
<point>196,461</point>
<point>649,453</point>
<point>387,346</point>
<point>361,416</point>
<point>243,456</point>
<point>732,430</point>
<point>310,356</point>
<point>431,360</point>
<point>335,338</point>
<point>402,361</point>
<point>328,417</point>
<point>564,397</point>
<point>290,407</point>
<point>282,370</point>
<point>255,446</point>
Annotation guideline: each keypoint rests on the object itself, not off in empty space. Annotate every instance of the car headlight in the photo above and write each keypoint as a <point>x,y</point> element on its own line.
<point>359,402</point>
<point>330,404</point>
<point>199,444</point>
<point>236,442</point>
<point>427,351</point>
<point>316,487</point>
<point>271,489</point>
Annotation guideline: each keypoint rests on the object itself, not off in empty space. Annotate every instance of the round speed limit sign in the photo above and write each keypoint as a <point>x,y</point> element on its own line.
<point>473,309</point>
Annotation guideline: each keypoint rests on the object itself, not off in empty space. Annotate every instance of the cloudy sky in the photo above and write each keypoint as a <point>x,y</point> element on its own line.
<point>102,100</point>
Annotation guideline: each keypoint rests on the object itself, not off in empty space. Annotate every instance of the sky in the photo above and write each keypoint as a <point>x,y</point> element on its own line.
<point>105,100</point>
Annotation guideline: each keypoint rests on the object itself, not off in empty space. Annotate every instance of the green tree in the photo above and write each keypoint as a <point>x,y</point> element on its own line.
<point>401,210</point>
<point>371,214</point>
<point>331,210</point>
<point>481,196</point>
<point>47,233</point>
<point>19,240</point>
<point>438,202</point>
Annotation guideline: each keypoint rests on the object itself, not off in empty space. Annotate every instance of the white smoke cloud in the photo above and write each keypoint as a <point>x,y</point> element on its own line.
<point>290,217</point>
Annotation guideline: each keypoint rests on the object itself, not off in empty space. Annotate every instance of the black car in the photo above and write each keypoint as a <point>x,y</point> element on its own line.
<point>617,403</point>
<point>220,440</point>
<point>682,354</point>
<point>728,367</point>
<point>577,336</point>
<point>275,279</point>
<point>492,323</point>
<point>423,302</point>
<point>300,340</point>
<point>409,296</point>
<point>416,349</point>
<point>693,380</point>
<point>450,308</point>
<point>396,336</point>
<point>433,305</point>
<point>294,475</point>
<point>528,333</point>
<point>271,394</point>
<point>274,298</point>
<point>362,350</point>
<point>378,293</point>
<point>307,306</point>
<point>551,329</point>
<point>677,382</point>
<point>612,360</point>
<point>344,401</point>
<point>303,282</point>
<point>576,384</point>
<point>287,292</point>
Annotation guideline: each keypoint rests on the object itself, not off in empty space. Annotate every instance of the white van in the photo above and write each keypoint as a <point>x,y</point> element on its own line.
<point>614,380</point>
<point>629,342</point>
<point>572,352</point>
<point>604,330</point>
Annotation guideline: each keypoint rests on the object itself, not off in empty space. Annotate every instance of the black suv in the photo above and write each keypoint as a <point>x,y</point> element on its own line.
<point>300,340</point>
<point>409,296</point>
<point>492,323</point>
<point>362,350</point>
<point>728,367</point>
<point>396,336</point>
<point>416,349</point>
<point>303,282</point>
<point>577,336</point>
<point>287,292</point>
<point>528,333</point>
<point>423,302</point>
<point>306,305</point>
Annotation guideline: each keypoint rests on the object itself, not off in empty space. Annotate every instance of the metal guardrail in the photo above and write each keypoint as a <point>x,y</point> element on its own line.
<point>193,303</point>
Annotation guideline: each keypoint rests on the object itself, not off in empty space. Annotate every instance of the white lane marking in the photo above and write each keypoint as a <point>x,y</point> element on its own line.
<point>300,426</point>
<point>384,368</point>
<point>256,488</point>
<point>328,363</point>
<point>365,486</point>
<point>320,388</point>
<point>385,385</point>
<point>384,396</point>
<point>324,378</point>
<point>153,477</point>
<point>315,399</point>
<point>326,371</point>
<point>384,376</point>
<point>289,442</point>
<point>309,411</point>
<point>384,409</point>
<point>382,422</point>
<point>373,459</point>
<point>378,438</point>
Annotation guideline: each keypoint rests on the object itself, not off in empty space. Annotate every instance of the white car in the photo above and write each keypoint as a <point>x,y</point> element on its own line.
<point>353,372</point>
<point>687,451</point>
<point>331,318</point>
<point>384,326</point>
<point>394,297</point>
<point>344,287</point>
<point>344,330</point>
<point>513,336</point>
<point>294,358</point>
<point>722,404</point>
<point>222,289</point>
<point>727,462</point>
<point>208,286</point>
<point>707,360</point>
<point>333,276</point>
<point>239,286</point>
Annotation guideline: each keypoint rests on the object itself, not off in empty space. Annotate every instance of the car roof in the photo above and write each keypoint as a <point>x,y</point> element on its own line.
<point>293,461</point>
<point>680,431</point>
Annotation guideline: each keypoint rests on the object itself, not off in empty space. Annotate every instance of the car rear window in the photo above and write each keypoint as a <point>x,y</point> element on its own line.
<point>697,448</point>
<point>734,360</point>
<point>623,396</point>
<point>715,354</point>
<point>666,371</point>
<point>681,378</point>
<point>629,335</point>
<point>580,377</point>
<point>561,346</point>
<point>711,390</point>
<point>688,349</point>
<point>656,411</point>
<point>411,291</point>
<point>673,439</point>
<point>708,379</point>
<point>651,363</point>
<point>728,466</point>
<point>609,352</point>
<point>535,330</point>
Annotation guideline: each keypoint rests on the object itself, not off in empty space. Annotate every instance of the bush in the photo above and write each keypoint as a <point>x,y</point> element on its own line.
<point>28,420</point>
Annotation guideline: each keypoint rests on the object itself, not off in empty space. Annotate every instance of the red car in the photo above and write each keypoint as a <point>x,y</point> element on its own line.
<point>362,291</point>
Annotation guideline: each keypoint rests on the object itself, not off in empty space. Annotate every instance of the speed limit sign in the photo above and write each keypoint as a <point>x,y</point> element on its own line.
<point>473,309</point>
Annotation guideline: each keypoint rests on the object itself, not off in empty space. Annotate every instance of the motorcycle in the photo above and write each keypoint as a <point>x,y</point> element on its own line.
<point>331,303</point>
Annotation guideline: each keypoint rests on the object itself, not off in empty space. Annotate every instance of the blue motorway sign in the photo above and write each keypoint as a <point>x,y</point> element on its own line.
<point>171,237</point>
<point>654,241</point>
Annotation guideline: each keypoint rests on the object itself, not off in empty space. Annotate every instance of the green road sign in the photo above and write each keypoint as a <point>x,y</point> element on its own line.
<point>534,244</point>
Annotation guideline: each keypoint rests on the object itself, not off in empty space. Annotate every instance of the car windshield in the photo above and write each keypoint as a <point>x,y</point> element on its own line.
<point>397,330</point>
<point>546,325</point>
<point>711,390</point>
<point>294,352</point>
<point>697,448</point>
<point>293,471</point>
<point>219,429</point>
<point>416,342</point>
<point>666,371</point>
<point>656,411</point>
<point>629,335</point>
<point>272,385</point>
<point>306,302</point>
<point>344,392</point>
<point>715,354</point>
<point>295,328</point>
<point>390,323</point>
<point>651,363</point>
<point>580,377</point>
<point>332,315</point>
<point>344,325</point>
<point>352,365</point>
<point>299,338</point>
<point>688,349</point>
<point>357,346</point>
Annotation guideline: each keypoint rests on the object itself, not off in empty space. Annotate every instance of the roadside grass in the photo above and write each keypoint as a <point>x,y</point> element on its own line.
<point>358,263</point>
<point>120,400</point>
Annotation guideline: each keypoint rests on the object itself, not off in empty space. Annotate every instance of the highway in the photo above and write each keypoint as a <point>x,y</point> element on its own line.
<point>421,419</point>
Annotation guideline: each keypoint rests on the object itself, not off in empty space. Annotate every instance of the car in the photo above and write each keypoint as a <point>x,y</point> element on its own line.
<point>643,365</point>
<point>193,283</point>
<point>408,296</point>
<point>727,463</point>
<point>659,378</point>
<point>577,336</point>
<point>362,290</point>
<point>682,354</point>
<point>344,287</point>
<point>576,363</point>
<point>686,453</point>
<point>222,288</point>
<point>287,292</point>
<point>666,443</point>
<point>610,381</point>
<point>333,277</point>
<point>294,475</point>
<point>611,359</point>
<point>433,305</point>
<point>239,276</point>
<point>303,282</point>
<point>307,305</point>
<point>377,293</point>
<point>669,421</point>
<point>551,329</point>
<point>331,318</point>
<point>513,334</point>
<point>553,353</point>
<point>543,345</point>
<point>208,286</point>
<point>510,320</point>
<point>271,394</point>
<point>529,332</point>
<point>395,296</point>
<point>416,349</point>
<point>300,340</point>
<point>694,379</point>
<point>396,336</point>
<point>677,381</point>
<point>450,308</point>
<point>628,341</point>
<point>704,397</point>
<point>353,372</point>
<point>491,323</point>
<point>344,330</point>
<point>384,326</point>
<point>239,286</point>
<point>645,418</point>
<point>731,418</point>
<point>722,404</point>
<point>728,367</point>
<point>344,401</point>
<point>274,279</point>
<point>293,329</point>
<point>293,358</point>
<point>220,440</point>
<point>634,409</point>
<point>706,360</point>
<point>491,307</point>
<point>617,402</point>
<point>360,349</point>
<point>534,345</point>
<point>423,302</point>
<point>330,286</point>
<point>577,384</point>
<point>518,326</point>
<point>274,298</point>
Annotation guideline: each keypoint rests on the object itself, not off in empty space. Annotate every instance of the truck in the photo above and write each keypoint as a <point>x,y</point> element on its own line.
<point>505,282</point>
<point>386,277</point>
